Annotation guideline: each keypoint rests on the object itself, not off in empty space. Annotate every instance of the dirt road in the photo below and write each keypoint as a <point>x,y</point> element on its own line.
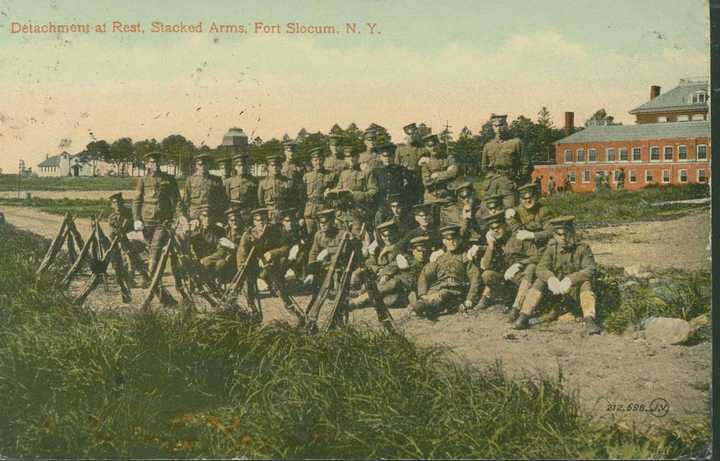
<point>605,370</point>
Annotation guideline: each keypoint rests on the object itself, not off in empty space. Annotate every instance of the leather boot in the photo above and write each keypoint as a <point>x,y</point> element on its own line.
<point>522,322</point>
<point>591,327</point>
<point>513,314</point>
<point>359,301</point>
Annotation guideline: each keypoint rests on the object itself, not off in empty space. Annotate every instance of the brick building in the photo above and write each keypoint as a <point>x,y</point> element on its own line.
<point>674,151</point>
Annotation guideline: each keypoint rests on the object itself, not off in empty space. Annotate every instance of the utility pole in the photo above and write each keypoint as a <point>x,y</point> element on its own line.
<point>447,136</point>
<point>21,169</point>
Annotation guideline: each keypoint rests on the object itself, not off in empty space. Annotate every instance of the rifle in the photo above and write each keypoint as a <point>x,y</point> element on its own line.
<point>313,309</point>
<point>339,306</point>
<point>99,267</point>
<point>382,311</point>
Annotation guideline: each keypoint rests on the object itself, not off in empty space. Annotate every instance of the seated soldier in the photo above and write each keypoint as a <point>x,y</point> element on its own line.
<point>222,261</point>
<point>270,246</point>
<point>395,281</point>
<point>506,259</point>
<point>204,235</point>
<point>427,226</point>
<point>397,211</point>
<point>349,215</point>
<point>121,223</point>
<point>325,244</point>
<point>296,237</point>
<point>566,268</point>
<point>533,216</point>
<point>465,212</point>
<point>381,253</point>
<point>449,282</point>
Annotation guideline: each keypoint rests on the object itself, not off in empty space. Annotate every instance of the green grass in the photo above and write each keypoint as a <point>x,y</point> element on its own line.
<point>76,383</point>
<point>11,182</point>
<point>81,208</point>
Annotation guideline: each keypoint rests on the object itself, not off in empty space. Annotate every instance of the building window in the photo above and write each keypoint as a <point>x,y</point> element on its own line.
<point>592,155</point>
<point>586,176</point>
<point>636,154</point>
<point>682,152</point>
<point>683,118</point>
<point>701,152</point>
<point>698,117</point>
<point>648,177</point>
<point>699,98</point>
<point>701,175</point>
<point>622,153</point>
<point>654,154</point>
<point>682,176</point>
<point>610,154</point>
<point>665,176</point>
<point>580,155</point>
<point>568,156</point>
<point>662,119</point>
<point>632,177</point>
<point>668,153</point>
<point>572,177</point>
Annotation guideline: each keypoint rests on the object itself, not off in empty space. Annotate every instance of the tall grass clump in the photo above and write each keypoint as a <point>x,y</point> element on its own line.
<point>74,383</point>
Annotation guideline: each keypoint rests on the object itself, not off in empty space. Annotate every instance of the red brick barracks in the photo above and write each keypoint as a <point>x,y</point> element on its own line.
<point>670,144</point>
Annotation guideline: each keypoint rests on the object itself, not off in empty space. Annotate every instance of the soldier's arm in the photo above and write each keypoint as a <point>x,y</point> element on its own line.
<point>314,248</point>
<point>587,267</point>
<point>545,266</point>
<point>260,195</point>
<point>425,175</point>
<point>138,201</point>
<point>450,172</point>
<point>473,295</point>
<point>426,278</point>
<point>487,258</point>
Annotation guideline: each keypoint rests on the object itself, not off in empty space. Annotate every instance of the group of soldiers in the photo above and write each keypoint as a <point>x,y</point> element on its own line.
<point>418,233</point>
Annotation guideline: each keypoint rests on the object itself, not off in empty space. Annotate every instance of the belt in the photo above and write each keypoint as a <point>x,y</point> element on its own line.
<point>452,281</point>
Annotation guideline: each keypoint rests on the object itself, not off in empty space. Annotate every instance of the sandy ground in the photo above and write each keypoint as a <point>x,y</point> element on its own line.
<point>603,370</point>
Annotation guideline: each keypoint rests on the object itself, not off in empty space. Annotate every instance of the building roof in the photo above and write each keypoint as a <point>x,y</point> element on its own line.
<point>698,129</point>
<point>679,98</point>
<point>53,161</point>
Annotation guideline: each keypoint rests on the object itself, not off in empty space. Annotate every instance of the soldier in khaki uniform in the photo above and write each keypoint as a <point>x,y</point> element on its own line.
<point>391,177</point>
<point>427,225</point>
<point>297,240</point>
<point>371,158</point>
<point>242,190</point>
<point>504,162</point>
<point>362,184</point>
<point>398,212</point>
<point>437,171</point>
<point>325,244</point>
<point>317,183</point>
<point>408,156</point>
<point>204,190</point>
<point>566,268</point>
<point>506,259</point>
<point>465,212</point>
<point>449,282</point>
<point>294,171</point>
<point>205,236</point>
<point>226,165</point>
<point>396,280</point>
<point>335,161</point>
<point>349,216</point>
<point>270,246</point>
<point>275,190</point>
<point>222,261</point>
<point>533,217</point>
<point>157,199</point>
<point>121,222</point>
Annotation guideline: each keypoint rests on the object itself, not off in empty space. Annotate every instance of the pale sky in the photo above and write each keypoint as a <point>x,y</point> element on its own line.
<point>432,61</point>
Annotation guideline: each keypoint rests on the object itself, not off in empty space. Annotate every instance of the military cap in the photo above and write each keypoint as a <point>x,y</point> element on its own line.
<point>262,211</point>
<point>202,157</point>
<point>225,158</point>
<point>450,230</point>
<point>369,133</point>
<point>531,188</point>
<point>499,117</point>
<point>317,152</point>
<point>334,137</point>
<point>410,127</point>
<point>233,211</point>
<point>420,241</point>
<point>241,157</point>
<point>388,148</point>
<point>423,208</point>
<point>325,215</point>
<point>395,198</point>
<point>155,154</point>
<point>116,196</point>
<point>493,198</point>
<point>287,212</point>
<point>497,217</point>
<point>387,226</point>
<point>562,221</point>
<point>289,143</point>
<point>463,186</point>
<point>275,158</point>
<point>203,208</point>
<point>431,138</point>
<point>438,202</point>
<point>349,150</point>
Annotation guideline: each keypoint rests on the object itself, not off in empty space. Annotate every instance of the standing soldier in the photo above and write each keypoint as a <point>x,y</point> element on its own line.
<point>551,186</point>
<point>362,184</point>
<point>408,156</point>
<point>226,165</point>
<point>620,179</point>
<point>274,191</point>
<point>437,171</point>
<point>567,268</point>
<point>156,200</point>
<point>449,282</point>
<point>242,190</point>
<point>392,178</point>
<point>204,190</point>
<point>120,221</point>
<point>504,162</point>
<point>317,183</point>
<point>292,170</point>
<point>533,217</point>
<point>371,156</point>
<point>335,161</point>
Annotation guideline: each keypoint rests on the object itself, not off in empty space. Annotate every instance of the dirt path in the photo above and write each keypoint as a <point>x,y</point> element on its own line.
<point>606,369</point>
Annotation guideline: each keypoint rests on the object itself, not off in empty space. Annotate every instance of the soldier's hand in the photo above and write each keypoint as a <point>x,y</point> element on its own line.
<point>523,234</point>
<point>490,238</point>
<point>434,176</point>
<point>423,161</point>
<point>322,255</point>
<point>466,306</point>
<point>309,279</point>
<point>510,213</point>
<point>554,285</point>
<point>139,225</point>
<point>194,225</point>
<point>226,243</point>
<point>294,252</point>
<point>402,262</point>
<point>436,254</point>
<point>511,271</point>
<point>565,285</point>
<point>267,256</point>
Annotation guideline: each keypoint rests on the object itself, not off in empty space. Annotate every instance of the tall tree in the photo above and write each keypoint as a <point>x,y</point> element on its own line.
<point>179,151</point>
<point>97,150</point>
<point>544,118</point>
<point>119,154</point>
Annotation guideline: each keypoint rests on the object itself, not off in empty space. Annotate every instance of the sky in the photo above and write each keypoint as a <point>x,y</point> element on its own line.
<point>452,62</point>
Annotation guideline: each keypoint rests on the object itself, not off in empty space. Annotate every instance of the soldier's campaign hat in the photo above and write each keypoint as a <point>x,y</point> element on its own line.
<point>241,157</point>
<point>423,240</point>
<point>116,196</point>
<point>202,157</point>
<point>317,152</point>
<point>261,211</point>
<point>494,198</point>
<point>432,139</point>
<point>394,198</point>
<point>527,189</point>
<point>325,215</point>
<point>424,208</point>
<point>498,117</point>
<point>387,148</point>
<point>451,230</point>
<point>154,154</point>
<point>562,221</point>
<point>387,226</point>
<point>275,158</point>
<point>497,217</point>
<point>410,127</point>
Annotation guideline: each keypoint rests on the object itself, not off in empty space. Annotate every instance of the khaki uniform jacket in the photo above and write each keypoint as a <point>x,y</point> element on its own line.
<point>120,223</point>
<point>316,183</point>
<point>578,263</point>
<point>502,154</point>
<point>275,192</point>
<point>271,239</point>
<point>157,198</point>
<point>352,220</point>
<point>383,257</point>
<point>451,271</point>
<point>536,220</point>
<point>408,156</point>
<point>242,189</point>
<point>504,254</point>
<point>205,190</point>
<point>329,240</point>
<point>362,184</point>
<point>446,171</point>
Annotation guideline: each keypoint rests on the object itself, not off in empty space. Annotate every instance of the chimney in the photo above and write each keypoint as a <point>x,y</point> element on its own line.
<point>569,123</point>
<point>47,156</point>
<point>654,92</point>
